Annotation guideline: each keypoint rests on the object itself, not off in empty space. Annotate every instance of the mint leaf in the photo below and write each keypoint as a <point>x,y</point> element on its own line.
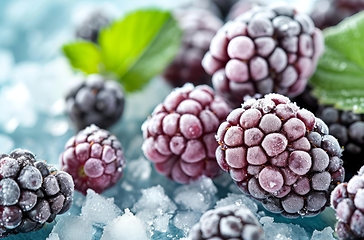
<point>339,77</point>
<point>139,46</point>
<point>84,56</point>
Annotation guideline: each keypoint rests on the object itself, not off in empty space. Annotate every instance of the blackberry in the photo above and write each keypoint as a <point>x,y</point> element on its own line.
<point>348,201</point>
<point>89,28</point>
<point>199,27</point>
<point>31,193</point>
<point>179,136</point>
<point>327,13</point>
<point>94,158</point>
<point>95,101</point>
<point>228,222</point>
<point>280,155</point>
<point>266,49</point>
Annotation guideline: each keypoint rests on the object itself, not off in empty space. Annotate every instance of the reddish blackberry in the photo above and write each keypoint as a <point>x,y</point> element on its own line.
<point>199,27</point>
<point>95,101</point>
<point>179,136</point>
<point>281,155</point>
<point>228,222</point>
<point>31,193</point>
<point>266,49</point>
<point>94,158</point>
<point>348,201</point>
<point>89,28</point>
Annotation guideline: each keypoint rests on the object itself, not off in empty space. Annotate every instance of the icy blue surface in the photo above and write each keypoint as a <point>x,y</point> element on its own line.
<point>34,77</point>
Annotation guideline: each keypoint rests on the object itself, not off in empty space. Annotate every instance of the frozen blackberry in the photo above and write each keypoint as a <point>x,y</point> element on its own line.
<point>94,158</point>
<point>199,27</point>
<point>348,201</point>
<point>264,50</point>
<point>327,13</point>
<point>89,27</point>
<point>280,155</point>
<point>228,222</point>
<point>95,101</point>
<point>31,193</point>
<point>179,136</point>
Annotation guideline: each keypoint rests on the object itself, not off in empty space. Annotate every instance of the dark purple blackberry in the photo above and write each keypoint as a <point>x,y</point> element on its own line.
<point>95,101</point>
<point>280,155</point>
<point>94,158</point>
<point>327,13</point>
<point>266,49</point>
<point>228,222</point>
<point>199,27</point>
<point>89,28</point>
<point>179,136</point>
<point>348,201</point>
<point>31,193</point>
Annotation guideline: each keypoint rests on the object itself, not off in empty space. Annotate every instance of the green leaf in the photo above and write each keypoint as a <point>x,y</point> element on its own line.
<point>140,46</point>
<point>339,77</point>
<point>84,56</point>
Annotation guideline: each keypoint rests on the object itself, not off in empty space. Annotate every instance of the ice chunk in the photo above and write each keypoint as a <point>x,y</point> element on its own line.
<point>139,170</point>
<point>126,226</point>
<point>184,220</point>
<point>73,227</point>
<point>282,231</point>
<point>155,208</point>
<point>6,144</point>
<point>53,236</point>
<point>325,234</point>
<point>197,196</point>
<point>239,200</point>
<point>98,209</point>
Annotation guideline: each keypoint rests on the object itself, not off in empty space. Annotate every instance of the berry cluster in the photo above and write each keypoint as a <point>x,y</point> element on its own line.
<point>199,27</point>
<point>266,49</point>
<point>179,136</point>
<point>228,222</point>
<point>348,201</point>
<point>95,101</point>
<point>31,193</point>
<point>281,155</point>
<point>94,158</point>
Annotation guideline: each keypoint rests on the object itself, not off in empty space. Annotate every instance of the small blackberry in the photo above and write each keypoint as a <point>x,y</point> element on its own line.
<point>199,27</point>
<point>266,49</point>
<point>280,155</point>
<point>348,201</point>
<point>31,193</point>
<point>95,101</point>
<point>94,158</point>
<point>228,222</point>
<point>179,136</point>
<point>89,28</point>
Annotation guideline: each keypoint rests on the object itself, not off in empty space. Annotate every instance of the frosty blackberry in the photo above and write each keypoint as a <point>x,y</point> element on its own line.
<point>199,27</point>
<point>31,193</point>
<point>280,155</point>
<point>94,158</point>
<point>179,136</point>
<point>348,201</point>
<point>228,222</point>
<point>95,101</point>
<point>266,49</point>
<point>89,28</point>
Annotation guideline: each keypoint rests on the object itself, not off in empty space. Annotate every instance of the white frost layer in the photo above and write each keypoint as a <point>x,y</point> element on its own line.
<point>73,227</point>
<point>126,226</point>
<point>325,234</point>
<point>282,231</point>
<point>98,209</point>
<point>238,200</point>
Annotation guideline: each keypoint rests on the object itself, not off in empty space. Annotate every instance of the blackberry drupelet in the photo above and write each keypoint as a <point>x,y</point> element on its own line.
<point>199,27</point>
<point>179,136</point>
<point>95,101</point>
<point>228,222</point>
<point>94,158</point>
<point>280,155</point>
<point>266,49</point>
<point>348,201</point>
<point>31,193</point>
